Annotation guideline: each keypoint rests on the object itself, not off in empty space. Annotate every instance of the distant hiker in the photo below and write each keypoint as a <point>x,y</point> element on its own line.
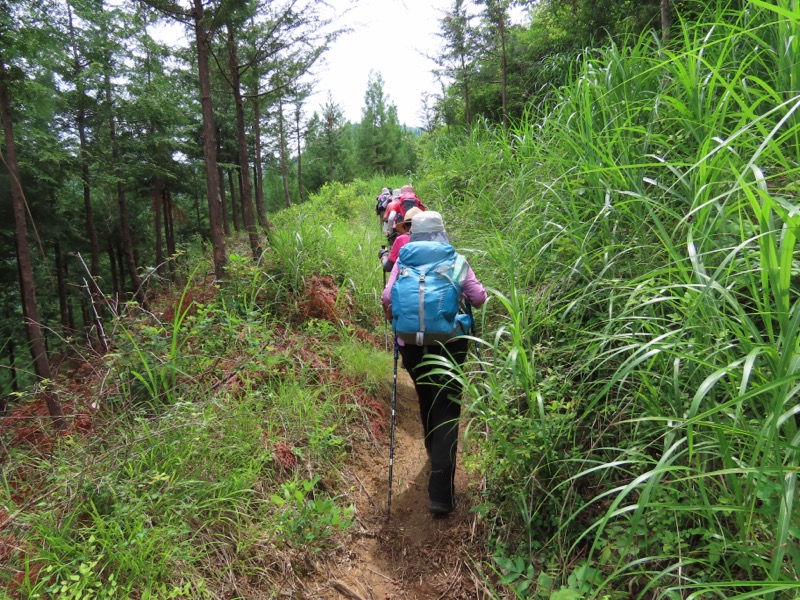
<point>391,210</point>
<point>391,216</point>
<point>382,201</point>
<point>389,257</point>
<point>408,199</point>
<point>430,266</point>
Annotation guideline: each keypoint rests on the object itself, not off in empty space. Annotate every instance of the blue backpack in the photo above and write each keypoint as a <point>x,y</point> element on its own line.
<point>427,292</point>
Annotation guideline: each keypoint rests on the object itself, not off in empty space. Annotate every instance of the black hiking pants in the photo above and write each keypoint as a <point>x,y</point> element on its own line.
<point>439,409</point>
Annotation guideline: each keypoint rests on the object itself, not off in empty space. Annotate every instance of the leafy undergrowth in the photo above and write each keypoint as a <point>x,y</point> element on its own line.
<point>204,451</point>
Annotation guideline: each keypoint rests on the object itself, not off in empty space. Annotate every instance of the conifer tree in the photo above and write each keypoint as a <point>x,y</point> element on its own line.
<point>204,25</point>
<point>458,60</point>
<point>379,132</point>
<point>30,309</point>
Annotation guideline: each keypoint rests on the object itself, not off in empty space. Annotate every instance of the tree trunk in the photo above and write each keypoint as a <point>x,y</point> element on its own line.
<point>12,364</point>
<point>156,198</point>
<point>123,296</point>
<point>91,229</point>
<point>63,300</point>
<point>284,167</point>
<point>244,163</point>
<point>198,218</point>
<point>258,191</point>
<point>330,126</point>
<point>298,132</point>
<point>12,372</point>
<point>125,231</point>
<point>202,35</point>
<point>237,221</point>
<point>665,20</point>
<point>224,201</point>
<point>87,322</point>
<point>258,174</point>
<point>116,288</point>
<point>41,362</point>
<point>169,231</point>
<point>240,183</point>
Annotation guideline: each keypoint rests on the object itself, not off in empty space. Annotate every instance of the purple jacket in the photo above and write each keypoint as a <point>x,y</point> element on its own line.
<point>472,292</point>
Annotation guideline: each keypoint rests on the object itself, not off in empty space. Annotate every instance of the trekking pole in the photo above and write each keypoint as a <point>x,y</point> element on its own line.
<point>385,322</point>
<point>391,427</point>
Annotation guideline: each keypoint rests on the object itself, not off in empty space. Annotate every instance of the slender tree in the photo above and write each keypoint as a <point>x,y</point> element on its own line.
<point>379,132</point>
<point>124,219</point>
<point>155,121</point>
<point>496,12</point>
<point>203,32</point>
<point>258,159</point>
<point>204,26</point>
<point>248,217</point>
<point>224,200</point>
<point>328,154</point>
<point>281,41</point>
<point>169,231</point>
<point>82,99</point>
<point>282,153</point>
<point>298,130</point>
<point>457,60</point>
<point>237,221</point>
<point>41,361</point>
<point>157,211</point>
<point>67,326</point>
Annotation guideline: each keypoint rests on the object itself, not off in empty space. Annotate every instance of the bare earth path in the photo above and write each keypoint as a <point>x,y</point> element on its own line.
<point>413,555</point>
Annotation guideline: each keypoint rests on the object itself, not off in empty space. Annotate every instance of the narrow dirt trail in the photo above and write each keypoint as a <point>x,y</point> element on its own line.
<point>414,555</point>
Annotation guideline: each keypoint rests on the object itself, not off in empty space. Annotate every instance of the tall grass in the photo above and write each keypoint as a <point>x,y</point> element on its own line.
<point>637,416</point>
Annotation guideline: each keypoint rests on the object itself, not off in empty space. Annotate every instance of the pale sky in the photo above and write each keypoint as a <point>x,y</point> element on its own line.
<point>389,36</point>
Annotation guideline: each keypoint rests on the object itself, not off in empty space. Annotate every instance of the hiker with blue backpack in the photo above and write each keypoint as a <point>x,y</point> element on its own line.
<point>422,299</point>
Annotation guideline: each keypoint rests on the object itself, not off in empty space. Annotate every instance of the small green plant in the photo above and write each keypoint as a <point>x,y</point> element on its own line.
<point>306,519</point>
<point>150,359</point>
<point>325,443</point>
<point>83,578</point>
<point>244,284</point>
<point>516,573</point>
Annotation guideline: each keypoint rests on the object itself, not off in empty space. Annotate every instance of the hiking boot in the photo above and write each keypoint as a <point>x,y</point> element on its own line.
<point>441,508</point>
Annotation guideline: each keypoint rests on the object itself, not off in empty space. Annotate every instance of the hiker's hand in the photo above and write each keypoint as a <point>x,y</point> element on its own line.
<point>383,252</point>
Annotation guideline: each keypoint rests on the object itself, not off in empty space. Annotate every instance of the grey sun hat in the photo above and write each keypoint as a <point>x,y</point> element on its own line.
<point>427,226</point>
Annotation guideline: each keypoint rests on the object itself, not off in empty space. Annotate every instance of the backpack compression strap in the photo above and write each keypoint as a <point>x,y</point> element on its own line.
<point>459,273</point>
<point>421,332</point>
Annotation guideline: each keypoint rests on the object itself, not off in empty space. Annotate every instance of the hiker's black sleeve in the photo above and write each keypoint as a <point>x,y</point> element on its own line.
<point>387,265</point>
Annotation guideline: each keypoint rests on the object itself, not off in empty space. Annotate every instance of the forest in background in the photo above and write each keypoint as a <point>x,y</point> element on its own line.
<point>129,151</point>
<point>632,406</point>
<point>117,138</point>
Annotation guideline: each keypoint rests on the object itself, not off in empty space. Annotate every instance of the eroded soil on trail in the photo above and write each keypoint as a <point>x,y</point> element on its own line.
<point>412,555</point>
